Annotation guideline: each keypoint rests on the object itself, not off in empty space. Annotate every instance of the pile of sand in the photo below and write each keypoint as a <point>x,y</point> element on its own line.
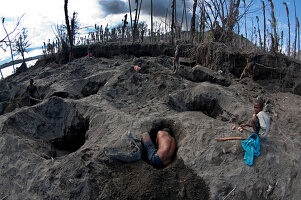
<point>83,140</point>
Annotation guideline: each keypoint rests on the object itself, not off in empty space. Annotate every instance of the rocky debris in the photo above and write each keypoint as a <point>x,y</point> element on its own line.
<point>268,66</point>
<point>297,87</point>
<point>82,140</point>
<point>201,74</point>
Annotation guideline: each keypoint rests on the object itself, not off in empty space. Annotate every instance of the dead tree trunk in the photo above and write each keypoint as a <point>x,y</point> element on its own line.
<point>68,29</point>
<point>152,28</point>
<point>289,29</point>
<point>298,38</point>
<point>281,46</point>
<point>192,30</point>
<point>185,15</point>
<point>166,24</point>
<point>295,42</point>
<point>246,32</point>
<point>124,25</point>
<point>274,24</point>
<point>173,22</point>
<point>135,22</point>
<point>131,16</point>
<point>260,41</point>
<point>264,26</point>
<point>9,42</point>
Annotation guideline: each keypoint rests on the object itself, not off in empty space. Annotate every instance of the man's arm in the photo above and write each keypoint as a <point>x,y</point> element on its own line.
<point>243,125</point>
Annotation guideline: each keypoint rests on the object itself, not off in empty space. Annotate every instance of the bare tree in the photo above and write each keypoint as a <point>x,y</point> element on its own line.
<point>22,44</point>
<point>246,32</point>
<point>298,24</point>
<point>202,20</point>
<point>173,21</point>
<point>192,30</point>
<point>124,25</point>
<point>281,47</point>
<point>166,23</point>
<point>184,13</point>
<point>274,25</point>
<point>289,29</point>
<point>9,39</point>
<point>152,35</point>
<point>295,42</point>
<point>228,13</point>
<point>136,20</point>
<point>3,40</point>
<point>131,15</point>
<point>70,28</point>
<point>260,41</point>
<point>142,27</point>
<point>264,26</point>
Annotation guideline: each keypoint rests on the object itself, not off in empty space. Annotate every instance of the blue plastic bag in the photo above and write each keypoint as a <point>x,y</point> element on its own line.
<point>252,148</point>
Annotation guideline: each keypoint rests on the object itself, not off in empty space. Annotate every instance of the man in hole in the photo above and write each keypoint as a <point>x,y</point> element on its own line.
<point>162,156</point>
<point>32,93</point>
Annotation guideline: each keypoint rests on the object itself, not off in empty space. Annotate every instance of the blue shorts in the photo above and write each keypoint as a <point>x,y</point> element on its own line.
<point>152,155</point>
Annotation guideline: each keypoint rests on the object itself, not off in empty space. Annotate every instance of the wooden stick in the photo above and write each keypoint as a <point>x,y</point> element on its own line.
<point>265,66</point>
<point>35,99</point>
<point>229,193</point>
<point>229,138</point>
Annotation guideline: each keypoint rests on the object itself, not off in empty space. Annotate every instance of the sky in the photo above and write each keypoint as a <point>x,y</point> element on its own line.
<point>40,16</point>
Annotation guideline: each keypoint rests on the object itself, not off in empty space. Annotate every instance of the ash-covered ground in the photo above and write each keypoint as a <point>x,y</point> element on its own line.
<point>82,141</point>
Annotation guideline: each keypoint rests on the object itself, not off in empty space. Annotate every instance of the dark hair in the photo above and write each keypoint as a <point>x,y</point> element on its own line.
<point>166,129</point>
<point>260,102</point>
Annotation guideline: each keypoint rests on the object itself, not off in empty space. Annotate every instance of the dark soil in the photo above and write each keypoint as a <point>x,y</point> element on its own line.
<point>142,181</point>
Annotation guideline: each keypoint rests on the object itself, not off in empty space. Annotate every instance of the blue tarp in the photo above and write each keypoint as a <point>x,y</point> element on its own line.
<point>252,148</point>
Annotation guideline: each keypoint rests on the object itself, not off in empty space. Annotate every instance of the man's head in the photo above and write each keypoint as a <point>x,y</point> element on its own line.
<point>166,130</point>
<point>31,81</point>
<point>258,105</point>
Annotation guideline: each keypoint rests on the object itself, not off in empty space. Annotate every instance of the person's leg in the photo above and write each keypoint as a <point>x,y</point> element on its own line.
<point>174,65</point>
<point>151,151</point>
<point>255,124</point>
<point>177,64</point>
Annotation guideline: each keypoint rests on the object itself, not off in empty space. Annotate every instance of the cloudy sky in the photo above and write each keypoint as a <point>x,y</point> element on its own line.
<point>41,15</point>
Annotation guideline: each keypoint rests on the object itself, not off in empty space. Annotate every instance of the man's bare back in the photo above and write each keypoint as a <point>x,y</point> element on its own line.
<point>166,148</point>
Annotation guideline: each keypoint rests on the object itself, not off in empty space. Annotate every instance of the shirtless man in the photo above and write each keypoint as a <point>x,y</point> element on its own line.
<point>248,70</point>
<point>162,156</point>
<point>31,92</point>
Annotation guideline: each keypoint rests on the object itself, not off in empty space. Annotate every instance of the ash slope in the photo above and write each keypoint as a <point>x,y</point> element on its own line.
<point>82,140</point>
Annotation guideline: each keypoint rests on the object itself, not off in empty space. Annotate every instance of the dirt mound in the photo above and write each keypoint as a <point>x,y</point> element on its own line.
<point>173,182</point>
<point>268,66</point>
<point>82,141</point>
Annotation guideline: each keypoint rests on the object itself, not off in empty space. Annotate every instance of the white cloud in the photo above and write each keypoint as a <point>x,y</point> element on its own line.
<point>41,15</point>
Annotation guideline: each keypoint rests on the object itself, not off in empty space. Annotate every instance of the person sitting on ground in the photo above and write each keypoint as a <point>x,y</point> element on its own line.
<point>162,156</point>
<point>260,121</point>
<point>32,93</point>
<point>248,70</point>
<point>176,58</point>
